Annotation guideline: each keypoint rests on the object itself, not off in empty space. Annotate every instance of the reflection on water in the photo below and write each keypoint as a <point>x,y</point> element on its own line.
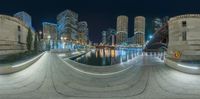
<point>105,57</point>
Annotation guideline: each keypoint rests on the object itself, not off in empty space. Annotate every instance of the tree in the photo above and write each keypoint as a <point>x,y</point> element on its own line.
<point>36,43</point>
<point>29,40</point>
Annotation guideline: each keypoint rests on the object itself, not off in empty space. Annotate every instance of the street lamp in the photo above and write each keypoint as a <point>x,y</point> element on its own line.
<point>40,35</point>
<point>49,38</point>
<point>61,38</point>
<point>150,37</point>
<point>65,38</point>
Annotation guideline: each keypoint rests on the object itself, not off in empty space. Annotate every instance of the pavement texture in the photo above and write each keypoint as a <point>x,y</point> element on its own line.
<point>146,78</point>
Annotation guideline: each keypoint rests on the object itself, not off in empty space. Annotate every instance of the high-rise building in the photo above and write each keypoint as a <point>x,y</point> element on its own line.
<point>165,20</point>
<point>139,30</point>
<point>50,30</point>
<point>103,33</point>
<point>122,29</point>
<point>108,36</point>
<point>157,24</point>
<point>82,32</point>
<point>67,29</point>
<point>50,34</point>
<point>67,25</point>
<point>24,17</point>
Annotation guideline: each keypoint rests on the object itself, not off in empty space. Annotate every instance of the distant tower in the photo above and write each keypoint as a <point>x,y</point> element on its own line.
<point>139,30</point>
<point>82,32</point>
<point>122,29</point>
<point>157,24</point>
<point>103,37</point>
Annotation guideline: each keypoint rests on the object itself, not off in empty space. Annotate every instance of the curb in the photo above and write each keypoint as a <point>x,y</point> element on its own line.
<point>19,67</point>
<point>186,68</point>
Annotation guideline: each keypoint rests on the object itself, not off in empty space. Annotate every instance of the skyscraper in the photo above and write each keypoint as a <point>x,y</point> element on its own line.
<point>103,33</point>
<point>157,24</point>
<point>122,29</point>
<point>139,30</point>
<point>110,36</point>
<point>67,28</point>
<point>67,25</point>
<point>50,34</point>
<point>82,32</point>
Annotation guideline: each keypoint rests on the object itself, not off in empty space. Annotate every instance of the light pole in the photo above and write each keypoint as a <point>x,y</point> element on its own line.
<point>40,35</point>
<point>49,39</point>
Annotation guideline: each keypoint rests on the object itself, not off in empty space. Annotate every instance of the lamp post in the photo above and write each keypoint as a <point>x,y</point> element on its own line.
<point>40,35</point>
<point>49,39</point>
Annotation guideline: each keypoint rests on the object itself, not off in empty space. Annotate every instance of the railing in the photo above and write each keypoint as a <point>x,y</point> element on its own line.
<point>160,55</point>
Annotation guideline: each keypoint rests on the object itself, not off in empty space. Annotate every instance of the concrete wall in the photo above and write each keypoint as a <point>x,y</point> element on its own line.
<point>10,30</point>
<point>190,47</point>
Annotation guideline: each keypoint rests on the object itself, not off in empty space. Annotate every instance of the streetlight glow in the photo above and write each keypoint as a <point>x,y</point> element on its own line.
<point>150,37</point>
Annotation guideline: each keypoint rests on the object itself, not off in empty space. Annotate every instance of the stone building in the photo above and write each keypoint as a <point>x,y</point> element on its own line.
<point>27,20</point>
<point>13,35</point>
<point>184,38</point>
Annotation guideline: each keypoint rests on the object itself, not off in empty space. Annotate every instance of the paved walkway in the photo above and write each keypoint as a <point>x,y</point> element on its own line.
<point>51,78</point>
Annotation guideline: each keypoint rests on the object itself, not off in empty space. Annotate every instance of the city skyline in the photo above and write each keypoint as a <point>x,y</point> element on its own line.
<point>102,49</point>
<point>99,18</point>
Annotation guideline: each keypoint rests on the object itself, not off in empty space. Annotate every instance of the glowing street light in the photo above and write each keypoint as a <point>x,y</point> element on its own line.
<point>61,38</point>
<point>150,37</point>
<point>49,37</point>
<point>40,32</point>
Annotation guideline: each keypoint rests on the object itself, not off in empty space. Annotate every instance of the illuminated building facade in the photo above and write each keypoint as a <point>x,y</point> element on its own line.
<point>82,32</point>
<point>122,29</point>
<point>108,37</point>
<point>50,34</point>
<point>157,24</point>
<point>67,28</point>
<point>139,30</point>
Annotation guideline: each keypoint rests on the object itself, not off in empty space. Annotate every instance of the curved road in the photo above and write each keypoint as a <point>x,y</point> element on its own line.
<point>51,78</point>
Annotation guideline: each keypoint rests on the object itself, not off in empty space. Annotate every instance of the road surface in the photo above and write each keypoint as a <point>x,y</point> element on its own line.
<point>51,78</point>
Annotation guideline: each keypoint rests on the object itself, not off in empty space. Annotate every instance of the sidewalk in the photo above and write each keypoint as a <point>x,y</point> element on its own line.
<point>18,66</point>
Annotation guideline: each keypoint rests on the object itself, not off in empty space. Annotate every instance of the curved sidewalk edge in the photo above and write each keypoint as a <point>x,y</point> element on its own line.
<point>18,67</point>
<point>183,67</point>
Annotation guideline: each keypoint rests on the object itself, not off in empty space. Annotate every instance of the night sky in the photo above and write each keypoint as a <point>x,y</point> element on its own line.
<point>100,14</point>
